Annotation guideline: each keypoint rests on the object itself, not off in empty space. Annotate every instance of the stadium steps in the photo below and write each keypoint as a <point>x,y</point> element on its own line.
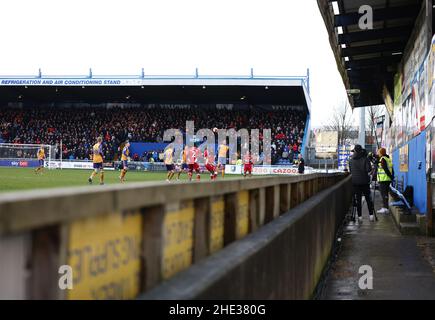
<point>408,224</point>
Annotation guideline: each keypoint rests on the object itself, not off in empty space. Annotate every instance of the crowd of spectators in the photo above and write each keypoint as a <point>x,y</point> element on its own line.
<point>78,128</point>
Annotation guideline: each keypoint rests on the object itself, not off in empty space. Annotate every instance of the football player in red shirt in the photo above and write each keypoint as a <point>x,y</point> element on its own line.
<point>247,164</point>
<point>210,164</point>
<point>192,162</point>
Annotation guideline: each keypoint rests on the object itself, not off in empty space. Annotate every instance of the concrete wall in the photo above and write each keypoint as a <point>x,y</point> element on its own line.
<point>124,240</point>
<point>282,260</point>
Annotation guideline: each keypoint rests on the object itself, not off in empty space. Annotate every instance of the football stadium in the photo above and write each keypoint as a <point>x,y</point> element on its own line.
<point>197,190</point>
<point>66,115</point>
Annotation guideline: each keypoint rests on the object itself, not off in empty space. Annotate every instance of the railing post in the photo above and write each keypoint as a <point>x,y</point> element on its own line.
<point>301,191</point>
<point>236,216</point>
<point>254,209</point>
<point>272,203</point>
<point>285,198</point>
<point>309,189</point>
<point>152,245</point>
<point>316,186</point>
<point>216,223</point>
<point>294,195</point>
<point>14,251</point>
<point>200,237</point>
<point>44,257</point>
<point>261,206</point>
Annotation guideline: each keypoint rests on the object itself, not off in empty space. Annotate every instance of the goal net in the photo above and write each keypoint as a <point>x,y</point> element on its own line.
<point>11,154</point>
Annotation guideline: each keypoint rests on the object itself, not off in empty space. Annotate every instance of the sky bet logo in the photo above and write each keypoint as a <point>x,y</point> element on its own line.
<point>22,164</point>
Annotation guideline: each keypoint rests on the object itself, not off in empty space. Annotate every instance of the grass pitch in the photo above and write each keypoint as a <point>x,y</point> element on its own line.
<point>14,179</point>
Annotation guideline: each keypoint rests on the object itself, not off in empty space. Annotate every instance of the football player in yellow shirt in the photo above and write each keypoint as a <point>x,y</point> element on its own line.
<point>41,158</point>
<point>97,159</point>
<point>184,167</point>
<point>222,157</point>
<point>169,162</point>
<point>125,156</point>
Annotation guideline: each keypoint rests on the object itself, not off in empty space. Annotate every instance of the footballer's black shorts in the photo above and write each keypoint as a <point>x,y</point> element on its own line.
<point>98,166</point>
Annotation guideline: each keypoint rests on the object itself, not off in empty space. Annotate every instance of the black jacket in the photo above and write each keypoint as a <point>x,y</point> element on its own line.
<point>301,165</point>
<point>360,167</point>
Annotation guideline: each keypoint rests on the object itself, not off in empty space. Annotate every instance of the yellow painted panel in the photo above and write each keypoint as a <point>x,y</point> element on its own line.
<point>217,218</point>
<point>242,220</point>
<point>177,239</point>
<point>104,253</point>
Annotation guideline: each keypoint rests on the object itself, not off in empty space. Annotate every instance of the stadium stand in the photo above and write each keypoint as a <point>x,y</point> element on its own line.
<point>78,127</point>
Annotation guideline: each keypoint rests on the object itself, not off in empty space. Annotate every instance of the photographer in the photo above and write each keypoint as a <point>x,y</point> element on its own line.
<point>374,160</point>
<point>360,167</point>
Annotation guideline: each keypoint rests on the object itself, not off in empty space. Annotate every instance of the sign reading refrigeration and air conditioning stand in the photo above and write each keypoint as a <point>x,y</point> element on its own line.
<point>59,81</point>
<point>69,82</point>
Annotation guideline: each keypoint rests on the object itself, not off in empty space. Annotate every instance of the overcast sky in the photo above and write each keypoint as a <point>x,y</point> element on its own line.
<point>170,37</point>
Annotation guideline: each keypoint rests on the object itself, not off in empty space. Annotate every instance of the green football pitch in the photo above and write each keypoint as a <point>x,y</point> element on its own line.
<point>13,179</point>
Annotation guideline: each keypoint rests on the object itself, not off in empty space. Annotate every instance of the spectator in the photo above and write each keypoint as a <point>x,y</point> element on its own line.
<point>385,175</point>
<point>301,164</point>
<point>77,128</point>
<point>360,167</point>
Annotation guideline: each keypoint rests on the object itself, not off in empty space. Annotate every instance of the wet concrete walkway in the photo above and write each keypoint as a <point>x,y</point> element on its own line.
<point>401,264</point>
